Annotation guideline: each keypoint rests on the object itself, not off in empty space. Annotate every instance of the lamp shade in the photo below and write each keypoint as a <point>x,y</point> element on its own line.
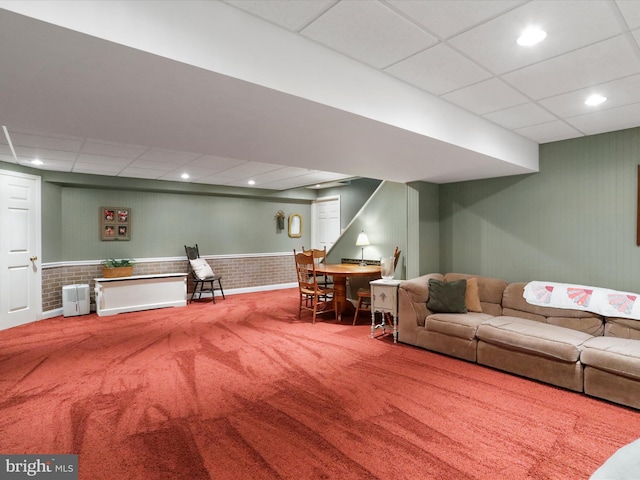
<point>362,240</point>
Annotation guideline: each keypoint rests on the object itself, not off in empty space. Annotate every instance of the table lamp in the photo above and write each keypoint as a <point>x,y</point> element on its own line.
<point>362,241</point>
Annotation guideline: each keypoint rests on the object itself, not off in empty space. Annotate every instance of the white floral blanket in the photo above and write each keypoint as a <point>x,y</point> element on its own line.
<point>609,303</point>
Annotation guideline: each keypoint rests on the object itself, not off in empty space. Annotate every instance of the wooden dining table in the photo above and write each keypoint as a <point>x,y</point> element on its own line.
<point>340,272</point>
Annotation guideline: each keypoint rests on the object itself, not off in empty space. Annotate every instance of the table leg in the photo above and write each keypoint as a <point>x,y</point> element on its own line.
<point>340,293</point>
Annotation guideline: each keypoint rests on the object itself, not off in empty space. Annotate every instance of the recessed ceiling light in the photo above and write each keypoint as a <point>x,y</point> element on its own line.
<point>595,100</point>
<point>184,176</point>
<point>37,161</point>
<point>531,36</point>
<point>251,182</point>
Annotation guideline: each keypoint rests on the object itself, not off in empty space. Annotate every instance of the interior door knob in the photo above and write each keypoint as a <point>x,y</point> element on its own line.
<point>33,259</point>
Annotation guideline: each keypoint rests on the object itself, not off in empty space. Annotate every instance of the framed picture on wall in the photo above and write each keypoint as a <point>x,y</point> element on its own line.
<point>115,223</point>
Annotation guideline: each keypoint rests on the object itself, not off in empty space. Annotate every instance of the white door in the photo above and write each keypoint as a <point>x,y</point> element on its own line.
<point>327,222</point>
<point>20,275</point>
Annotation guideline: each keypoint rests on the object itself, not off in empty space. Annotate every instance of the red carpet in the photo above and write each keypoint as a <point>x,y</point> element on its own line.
<point>244,390</point>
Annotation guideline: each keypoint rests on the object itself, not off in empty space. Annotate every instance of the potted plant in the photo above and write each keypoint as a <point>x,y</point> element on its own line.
<point>112,268</point>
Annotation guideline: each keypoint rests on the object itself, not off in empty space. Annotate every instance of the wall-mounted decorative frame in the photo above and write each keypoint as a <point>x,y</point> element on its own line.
<point>115,223</point>
<point>295,225</point>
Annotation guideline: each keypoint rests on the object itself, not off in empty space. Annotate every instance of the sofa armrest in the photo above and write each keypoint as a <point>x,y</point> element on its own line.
<point>412,306</point>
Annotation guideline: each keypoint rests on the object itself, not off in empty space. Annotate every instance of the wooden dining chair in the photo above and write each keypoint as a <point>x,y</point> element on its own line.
<point>313,297</point>
<point>201,274</point>
<point>364,294</point>
<point>320,256</point>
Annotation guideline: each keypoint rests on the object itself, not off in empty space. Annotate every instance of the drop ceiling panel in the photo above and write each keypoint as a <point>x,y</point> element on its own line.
<point>50,164</point>
<point>168,157</point>
<point>438,70</point>
<point>620,118</point>
<point>631,11</point>
<point>151,165</point>
<point>158,118</point>
<point>618,92</point>
<point>493,43</point>
<point>46,142</point>
<point>249,168</point>
<point>549,132</point>
<point>137,172</point>
<point>217,164</point>
<point>46,156</point>
<point>7,158</point>
<point>217,180</point>
<point>369,32</point>
<point>579,69</point>
<point>4,148</point>
<point>111,149</point>
<point>292,173</point>
<point>487,96</point>
<point>97,168</point>
<point>446,18</point>
<point>287,14</point>
<point>521,116</point>
<point>89,159</point>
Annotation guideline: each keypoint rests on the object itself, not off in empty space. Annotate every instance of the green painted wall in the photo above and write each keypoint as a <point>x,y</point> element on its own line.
<point>168,215</point>
<point>429,227</point>
<point>162,223</point>
<point>384,219</point>
<point>574,221</point>
<point>352,197</point>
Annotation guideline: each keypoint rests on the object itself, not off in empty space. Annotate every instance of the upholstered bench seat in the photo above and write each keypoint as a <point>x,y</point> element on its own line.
<point>533,349</point>
<point>452,333</point>
<point>461,325</point>
<point>532,336</point>
<point>612,369</point>
<point>616,355</point>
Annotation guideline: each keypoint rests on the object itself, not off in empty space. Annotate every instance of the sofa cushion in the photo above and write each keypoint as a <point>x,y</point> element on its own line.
<point>489,290</point>
<point>514,305</point>
<point>417,291</point>
<point>472,296</point>
<point>461,325</point>
<point>622,327</point>
<point>447,297</point>
<point>617,355</point>
<point>534,337</point>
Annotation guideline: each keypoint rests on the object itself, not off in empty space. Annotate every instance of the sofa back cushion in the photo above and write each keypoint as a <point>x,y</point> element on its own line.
<point>417,290</point>
<point>622,328</point>
<point>490,291</point>
<point>514,305</point>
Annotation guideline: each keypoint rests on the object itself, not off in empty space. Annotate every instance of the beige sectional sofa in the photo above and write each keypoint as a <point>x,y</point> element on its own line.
<point>573,349</point>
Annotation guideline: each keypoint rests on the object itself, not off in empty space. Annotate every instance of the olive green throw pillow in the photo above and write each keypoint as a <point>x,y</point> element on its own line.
<point>447,297</point>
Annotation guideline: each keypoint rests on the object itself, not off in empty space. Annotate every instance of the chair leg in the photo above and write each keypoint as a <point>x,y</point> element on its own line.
<point>355,317</point>
<point>221,290</point>
<point>315,308</point>
<point>213,292</point>
<point>195,289</point>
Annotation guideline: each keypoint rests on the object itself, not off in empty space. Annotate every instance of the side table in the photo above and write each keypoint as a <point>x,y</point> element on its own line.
<point>384,299</point>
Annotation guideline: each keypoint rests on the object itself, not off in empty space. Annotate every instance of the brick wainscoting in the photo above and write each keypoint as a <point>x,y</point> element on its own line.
<point>243,272</point>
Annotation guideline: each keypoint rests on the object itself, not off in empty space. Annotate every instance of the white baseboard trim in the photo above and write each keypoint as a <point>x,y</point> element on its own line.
<point>52,313</point>
<point>234,291</point>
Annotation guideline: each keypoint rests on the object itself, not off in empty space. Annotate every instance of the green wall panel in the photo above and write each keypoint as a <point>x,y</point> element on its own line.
<point>162,223</point>
<point>574,221</point>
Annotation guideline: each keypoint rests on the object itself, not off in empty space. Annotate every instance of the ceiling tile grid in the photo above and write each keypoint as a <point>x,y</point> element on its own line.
<point>472,60</point>
<point>463,52</point>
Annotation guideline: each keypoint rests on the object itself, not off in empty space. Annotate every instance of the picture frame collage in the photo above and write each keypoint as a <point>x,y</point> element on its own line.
<point>115,223</point>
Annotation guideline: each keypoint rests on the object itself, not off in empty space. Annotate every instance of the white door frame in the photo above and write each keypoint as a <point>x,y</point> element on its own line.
<point>314,218</point>
<point>28,261</point>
